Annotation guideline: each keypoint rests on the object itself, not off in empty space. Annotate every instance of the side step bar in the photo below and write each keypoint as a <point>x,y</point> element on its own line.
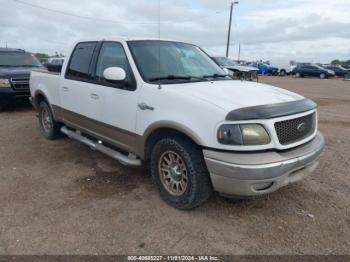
<point>123,159</point>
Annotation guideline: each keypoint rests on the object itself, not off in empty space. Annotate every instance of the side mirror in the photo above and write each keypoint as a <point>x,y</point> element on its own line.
<point>114,74</point>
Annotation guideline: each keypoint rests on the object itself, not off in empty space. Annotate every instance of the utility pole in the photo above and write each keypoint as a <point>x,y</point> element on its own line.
<point>229,28</point>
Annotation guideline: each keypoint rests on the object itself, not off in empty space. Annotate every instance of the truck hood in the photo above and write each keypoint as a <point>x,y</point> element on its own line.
<point>10,72</point>
<point>230,95</point>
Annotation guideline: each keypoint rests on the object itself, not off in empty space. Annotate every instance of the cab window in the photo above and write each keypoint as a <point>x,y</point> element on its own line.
<point>79,65</point>
<point>112,54</point>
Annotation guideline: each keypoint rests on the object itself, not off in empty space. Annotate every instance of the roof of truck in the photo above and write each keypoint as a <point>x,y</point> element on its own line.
<point>125,39</point>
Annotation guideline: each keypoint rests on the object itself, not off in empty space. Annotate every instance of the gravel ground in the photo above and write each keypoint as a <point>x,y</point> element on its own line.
<point>62,198</point>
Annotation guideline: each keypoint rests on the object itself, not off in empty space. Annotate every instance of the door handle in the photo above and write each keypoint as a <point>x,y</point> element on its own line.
<point>65,89</point>
<point>144,106</point>
<point>95,96</point>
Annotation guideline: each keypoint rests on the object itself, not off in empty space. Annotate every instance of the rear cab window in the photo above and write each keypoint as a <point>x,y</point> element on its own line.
<point>79,67</point>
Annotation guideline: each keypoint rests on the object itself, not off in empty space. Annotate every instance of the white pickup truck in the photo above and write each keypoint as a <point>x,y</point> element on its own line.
<point>168,103</point>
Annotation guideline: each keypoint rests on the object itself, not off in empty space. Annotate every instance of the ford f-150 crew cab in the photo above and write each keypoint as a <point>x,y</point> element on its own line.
<point>168,103</point>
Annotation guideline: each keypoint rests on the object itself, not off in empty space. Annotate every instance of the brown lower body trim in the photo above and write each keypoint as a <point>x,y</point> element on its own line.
<point>57,113</point>
<point>120,138</point>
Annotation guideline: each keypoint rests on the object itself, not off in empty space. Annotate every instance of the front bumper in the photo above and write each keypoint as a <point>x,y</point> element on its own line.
<point>254,174</point>
<point>8,94</point>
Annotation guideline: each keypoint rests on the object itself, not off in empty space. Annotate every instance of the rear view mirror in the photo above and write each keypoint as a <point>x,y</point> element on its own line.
<point>114,74</point>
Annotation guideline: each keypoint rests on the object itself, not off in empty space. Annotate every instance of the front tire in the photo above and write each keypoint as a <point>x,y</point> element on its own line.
<point>322,76</point>
<point>180,173</point>
<point>297,75</point>
<point>49,128</point>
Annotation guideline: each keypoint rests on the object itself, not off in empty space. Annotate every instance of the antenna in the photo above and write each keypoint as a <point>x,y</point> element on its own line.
<point>159,32</point>
<point>239,52</point>
<point>159,19</point>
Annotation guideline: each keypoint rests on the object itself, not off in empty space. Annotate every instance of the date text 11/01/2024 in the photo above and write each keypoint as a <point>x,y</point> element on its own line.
<point>173,258</point>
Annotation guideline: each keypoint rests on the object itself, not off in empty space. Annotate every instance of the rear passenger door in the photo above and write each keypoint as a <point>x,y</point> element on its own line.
<point>306,70</point>
<point>78,99</point>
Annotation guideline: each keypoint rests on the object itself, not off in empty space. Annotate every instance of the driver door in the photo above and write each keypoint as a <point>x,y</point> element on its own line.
<point>117,99</point>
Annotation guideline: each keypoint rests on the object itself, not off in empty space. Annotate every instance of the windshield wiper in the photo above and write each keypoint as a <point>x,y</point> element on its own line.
<point>215,76</point>
<point>176,77</point>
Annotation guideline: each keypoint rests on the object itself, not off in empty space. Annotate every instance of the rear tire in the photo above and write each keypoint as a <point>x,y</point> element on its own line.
<point>180,173</point>
<point>297,75</point>
<point>49,128</point>
<point>283,72</point>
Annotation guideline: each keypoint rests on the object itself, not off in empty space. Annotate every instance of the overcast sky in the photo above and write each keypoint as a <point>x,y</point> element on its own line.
<point>302,30</point>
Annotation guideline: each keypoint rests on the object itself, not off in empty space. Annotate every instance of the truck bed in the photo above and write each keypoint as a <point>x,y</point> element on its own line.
<point>47,83</point>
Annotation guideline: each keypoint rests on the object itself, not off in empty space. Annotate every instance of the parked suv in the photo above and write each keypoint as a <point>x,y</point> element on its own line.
<point>15,68</point>
<point>303,70</point>
<point>168,103</point>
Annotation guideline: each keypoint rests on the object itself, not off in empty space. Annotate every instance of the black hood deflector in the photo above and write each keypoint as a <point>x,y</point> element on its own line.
<point>271,111</point>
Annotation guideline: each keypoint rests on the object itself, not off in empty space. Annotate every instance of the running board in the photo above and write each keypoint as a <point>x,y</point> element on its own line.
<point>123,159</point>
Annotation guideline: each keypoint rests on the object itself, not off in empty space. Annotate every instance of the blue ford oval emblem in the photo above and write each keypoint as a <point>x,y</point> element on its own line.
<point>301,127</point>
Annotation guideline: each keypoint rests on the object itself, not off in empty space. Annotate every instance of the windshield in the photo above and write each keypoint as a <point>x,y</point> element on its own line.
<point>319,67</point>
<point>224,61</point>
<point>173,61</point>
<point>341,67</point>
<point>13,59</point>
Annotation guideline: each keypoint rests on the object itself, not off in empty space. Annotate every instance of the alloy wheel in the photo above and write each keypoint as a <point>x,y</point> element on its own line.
<point>173,173</point>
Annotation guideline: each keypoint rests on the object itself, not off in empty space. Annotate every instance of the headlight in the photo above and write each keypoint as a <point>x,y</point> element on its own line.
<point>254,134</point>
<point>247,134</point>
<point>4,83</point>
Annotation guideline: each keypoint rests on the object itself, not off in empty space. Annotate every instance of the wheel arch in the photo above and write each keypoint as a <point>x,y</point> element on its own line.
<point>163,129</point>
<point>39,97</point>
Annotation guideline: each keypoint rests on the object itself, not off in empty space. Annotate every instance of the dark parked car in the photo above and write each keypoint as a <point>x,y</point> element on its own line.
<point>303,70</point>
<point>338,70</point>
<point>15,68</point>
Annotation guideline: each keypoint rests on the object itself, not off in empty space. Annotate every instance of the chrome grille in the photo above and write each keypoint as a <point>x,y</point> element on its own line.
<point>294,130</point>
<point>20,83</point>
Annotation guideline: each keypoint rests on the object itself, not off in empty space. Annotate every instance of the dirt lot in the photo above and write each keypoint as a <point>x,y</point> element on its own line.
<point>62,198</point>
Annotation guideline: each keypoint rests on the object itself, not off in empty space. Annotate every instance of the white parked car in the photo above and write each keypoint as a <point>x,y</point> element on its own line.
<point>168,103</point>
<point>238,71</point>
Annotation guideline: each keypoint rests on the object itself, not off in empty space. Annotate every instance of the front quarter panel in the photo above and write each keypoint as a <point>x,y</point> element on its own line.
<point>191,116</point>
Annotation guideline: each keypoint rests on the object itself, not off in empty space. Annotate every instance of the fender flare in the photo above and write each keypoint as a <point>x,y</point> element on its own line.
<point>171,125</point>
